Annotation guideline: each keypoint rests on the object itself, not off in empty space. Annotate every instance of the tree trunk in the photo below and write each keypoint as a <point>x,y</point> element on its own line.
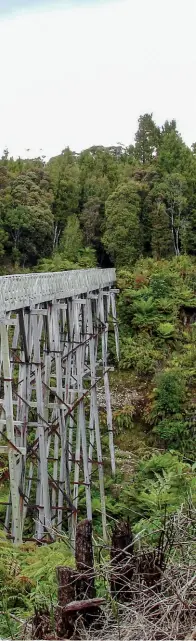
<point>65,622</point>
<point>84,559</point>
<point>121,561</point>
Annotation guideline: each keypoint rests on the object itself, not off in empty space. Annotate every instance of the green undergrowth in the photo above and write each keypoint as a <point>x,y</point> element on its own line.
<point>28,579</point>
<point>157,323</point>
<point>154,489</point>
<point>156,484</point>
<point>146,491</point>
<point>153,398</point>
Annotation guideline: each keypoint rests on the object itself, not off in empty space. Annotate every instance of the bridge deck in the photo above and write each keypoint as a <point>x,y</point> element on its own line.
<point>27,290</point>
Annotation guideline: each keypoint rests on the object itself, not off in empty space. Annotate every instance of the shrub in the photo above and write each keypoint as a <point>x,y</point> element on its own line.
<point>139,354</point>
<point>123,419</point>
<point>173,432</point>
<point>169,394</point>
<point>163,483</point>
<point>166,330</point>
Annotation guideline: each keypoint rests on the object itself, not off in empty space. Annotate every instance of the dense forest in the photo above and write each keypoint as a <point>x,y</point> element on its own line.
<point>135,208</point>
<point>104,205</point>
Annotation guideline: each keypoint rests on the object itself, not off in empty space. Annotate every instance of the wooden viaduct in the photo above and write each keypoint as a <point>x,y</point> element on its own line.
<point>54,338</point>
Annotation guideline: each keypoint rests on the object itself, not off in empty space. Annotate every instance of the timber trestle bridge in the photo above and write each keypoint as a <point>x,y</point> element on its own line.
<point>53,346</point>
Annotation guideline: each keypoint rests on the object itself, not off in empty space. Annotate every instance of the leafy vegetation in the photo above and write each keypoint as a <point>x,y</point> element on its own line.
<point>116,203</point>
<point>157,324</point>
<point>28,580</point>
<point>134,208</point>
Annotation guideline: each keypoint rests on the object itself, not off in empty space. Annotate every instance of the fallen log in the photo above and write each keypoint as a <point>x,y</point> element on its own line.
<point>86,604</point>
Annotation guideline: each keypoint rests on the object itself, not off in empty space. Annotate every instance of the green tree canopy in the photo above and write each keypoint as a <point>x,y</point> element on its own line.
<point>146,139</point>
<point>122,238</point>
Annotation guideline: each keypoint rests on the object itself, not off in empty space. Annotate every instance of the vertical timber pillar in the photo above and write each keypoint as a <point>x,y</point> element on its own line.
<point>44,486</point>
<point>95,416</point>
<point>13,452</point>
<point>104,331</point>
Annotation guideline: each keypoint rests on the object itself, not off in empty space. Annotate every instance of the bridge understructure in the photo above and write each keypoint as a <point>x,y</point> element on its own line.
<point>54,347</point>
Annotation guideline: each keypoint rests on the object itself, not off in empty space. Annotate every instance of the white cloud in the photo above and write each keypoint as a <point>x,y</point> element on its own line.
<point>82,76</point>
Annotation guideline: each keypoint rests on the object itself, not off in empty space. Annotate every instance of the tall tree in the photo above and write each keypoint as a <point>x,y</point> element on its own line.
<point>122,238</point>
<point>169,125</point>
<point>92,221</point>
<point>167,206</point>
<point>173,154</point>
<point>193,147</point>
<point>64,174</point>
<point>161,239</point>
<point>72,240</point>
<point>96,190</point>
<point>176,207</point>
<point>146,139</point>
<point>29,233</point>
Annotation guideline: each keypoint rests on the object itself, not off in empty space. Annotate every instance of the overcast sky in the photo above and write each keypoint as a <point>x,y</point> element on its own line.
<point>80,73</point>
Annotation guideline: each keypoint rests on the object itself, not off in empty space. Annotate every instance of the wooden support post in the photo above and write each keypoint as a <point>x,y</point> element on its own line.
<point>95,419</point>
<point>13,454</point>
<point>44,486</point>
<point>81,429</point>
<point>106,381</point>
<point>24,342</point>
<point>114,316</point>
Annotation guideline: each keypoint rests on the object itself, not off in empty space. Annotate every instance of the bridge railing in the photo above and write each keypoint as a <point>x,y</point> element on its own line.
<point>27,290</point>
